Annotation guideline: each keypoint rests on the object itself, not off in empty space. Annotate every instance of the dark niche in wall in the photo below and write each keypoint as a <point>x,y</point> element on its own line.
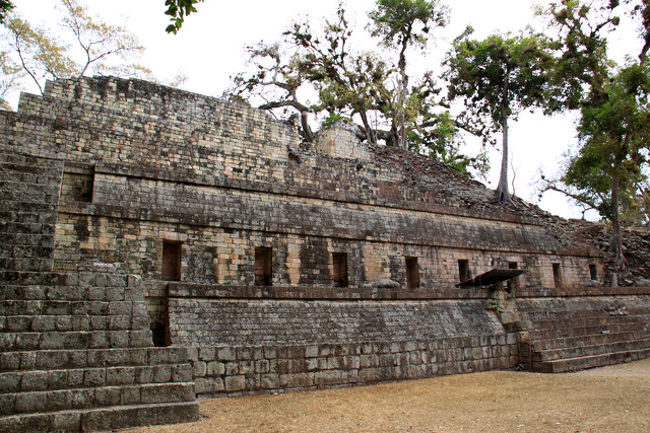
<point>171,260</point>
<point>412,273</point>
<point>340,271</point>
<point>263,266</point>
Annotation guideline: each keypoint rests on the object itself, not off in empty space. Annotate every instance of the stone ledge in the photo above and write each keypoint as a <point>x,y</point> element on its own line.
<point>215,291</point>
<point>104,419</point>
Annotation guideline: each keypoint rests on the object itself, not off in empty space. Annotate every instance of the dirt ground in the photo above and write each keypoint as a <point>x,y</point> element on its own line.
<point>611,399</point>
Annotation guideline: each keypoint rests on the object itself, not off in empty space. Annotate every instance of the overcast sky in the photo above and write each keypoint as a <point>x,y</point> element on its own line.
<point>210,48</point>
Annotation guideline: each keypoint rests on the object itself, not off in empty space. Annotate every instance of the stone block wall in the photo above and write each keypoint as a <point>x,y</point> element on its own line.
<point>102,176</point>
<point>29,187</point>
<point>251,340</point>
<point>580,330</point>
<point>75,348</point>
<point>236,370</point>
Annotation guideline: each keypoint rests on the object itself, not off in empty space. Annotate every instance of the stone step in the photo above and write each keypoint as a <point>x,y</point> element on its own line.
<point>13,216</point>
<point>58,305</point>
<point>49,380</point>
<point>31,207</point>
<point>590,340</point>
<point>31,240</point>
<point>94,397</point>
<point>89,358</point>
<point>24,227</point>
<point>39,169</point>
<point>34,196</point>
<point>34,264</point>
<point>589,350</point>
<point>583,322</point>
<point>10,156</point>
<point>95,339</point>
<point>102,419</point>
<point>69,324</point>
<point>585,362</point>
<point>578,331</point>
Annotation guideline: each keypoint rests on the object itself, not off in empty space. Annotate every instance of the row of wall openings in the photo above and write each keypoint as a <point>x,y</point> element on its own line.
<point>172,252</point>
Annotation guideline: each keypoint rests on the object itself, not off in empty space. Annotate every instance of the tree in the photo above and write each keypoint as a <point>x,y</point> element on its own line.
<point>400,24</point>
<point>277,82</point>
<point>605,172</point>
<point>99,48</point>
<point>497,78</point>
<point>351,85</point>
<point>178,10</point>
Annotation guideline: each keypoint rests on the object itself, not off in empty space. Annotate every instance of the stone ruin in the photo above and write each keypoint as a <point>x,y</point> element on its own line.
<point>159,246</point>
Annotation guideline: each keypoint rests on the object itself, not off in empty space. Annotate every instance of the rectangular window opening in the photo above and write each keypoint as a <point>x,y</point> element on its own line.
<point>340,271</point>
<point>78,186</point>
<point>593,273</point>
<point>412,273</point>
<point>263,266</point>
<point>513,283</point>
<point>171,260</point>
<point>463,270</point>
<point>557,275</point>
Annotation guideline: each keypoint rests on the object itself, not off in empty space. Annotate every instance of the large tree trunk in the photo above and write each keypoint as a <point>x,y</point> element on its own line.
<point>306,129</point>
<point>616,243</point>
<point>400,114</point>
<point>370,133</point>
<point>503,192</point>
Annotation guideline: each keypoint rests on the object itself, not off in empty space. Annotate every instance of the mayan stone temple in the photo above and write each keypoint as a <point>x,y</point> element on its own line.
<point>159,246</point>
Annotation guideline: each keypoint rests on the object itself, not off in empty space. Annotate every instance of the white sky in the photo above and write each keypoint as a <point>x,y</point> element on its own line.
<point>210,49</point>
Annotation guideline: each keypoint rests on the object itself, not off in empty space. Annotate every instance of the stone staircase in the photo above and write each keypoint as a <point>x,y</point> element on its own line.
<point>75,349</point>
<point>596,332</point>
<point>80,359</point>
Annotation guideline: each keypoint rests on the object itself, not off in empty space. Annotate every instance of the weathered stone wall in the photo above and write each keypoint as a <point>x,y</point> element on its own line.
<point>266,322</point>
<point>251,340</point>
<point>146,163</point>
<point>141,167</point>
<point>75,348</point>
<point>234,370</point>
<point>581,330</point>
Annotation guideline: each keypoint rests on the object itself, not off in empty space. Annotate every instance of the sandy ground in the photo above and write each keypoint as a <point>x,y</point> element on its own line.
<point>611,399</point>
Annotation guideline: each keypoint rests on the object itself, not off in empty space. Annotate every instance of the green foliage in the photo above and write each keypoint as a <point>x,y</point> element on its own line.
<point>178,10</point>
<point>400,24</point>
<point>607,171</point>
<point>98,48</point>
<point>333,118</point>
<point>614,143</point>
<point>500,71</point>
<point>362,86</point>
<point>395,20</point>
<point>497,78</point>
<point>583,47</point>
<point>5,7</point>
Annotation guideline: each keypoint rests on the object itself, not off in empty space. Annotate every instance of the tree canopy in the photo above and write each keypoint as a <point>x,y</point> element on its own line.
<point>497,78</point>
<point>5,7</point>
<point>608,170</point>
<point>367,86</point>
<point>35,54</point>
